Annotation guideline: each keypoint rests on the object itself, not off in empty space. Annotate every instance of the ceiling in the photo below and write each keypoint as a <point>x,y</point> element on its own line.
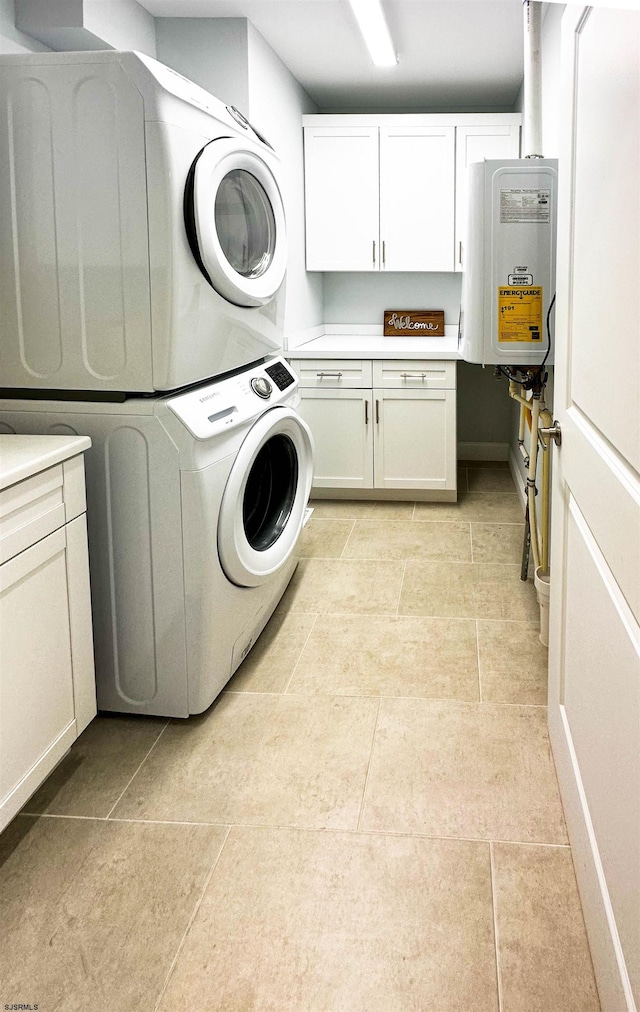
<point>454,55</point>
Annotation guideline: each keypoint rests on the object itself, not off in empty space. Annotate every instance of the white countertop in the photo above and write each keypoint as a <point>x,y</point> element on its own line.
<point>367,341</point>
<point>23,456</point>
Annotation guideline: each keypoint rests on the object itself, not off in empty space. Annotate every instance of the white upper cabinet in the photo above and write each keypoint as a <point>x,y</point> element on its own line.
<point>389,192</point>
<point>416,198</point>
<point>341,198</point>
<point>473,144</point>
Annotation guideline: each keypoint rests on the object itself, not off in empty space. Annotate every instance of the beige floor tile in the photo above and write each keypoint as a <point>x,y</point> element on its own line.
<point>357,586</point>
<point>497,542</point>
<point>268,760</point>
<point>93,912</point>
<point>397,540</point>
<point>496,507</point>
<point>98,767</point>
<point>335,509</point>
<point>388,656</point>
<point>361,509</point>
<point>513,663</point>
<point>490,479</point>
<point>332,922</point>
<point>463,770</point>
<point>324,539</point>
<point>462,590</point>
<point>270,663</point>
<point>543,951</point>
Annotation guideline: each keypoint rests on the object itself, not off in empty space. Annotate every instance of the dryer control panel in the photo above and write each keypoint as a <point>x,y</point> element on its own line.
<point>234,400</point>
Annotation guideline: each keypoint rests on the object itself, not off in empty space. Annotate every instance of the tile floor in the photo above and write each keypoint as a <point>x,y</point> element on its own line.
<point>366,820</point>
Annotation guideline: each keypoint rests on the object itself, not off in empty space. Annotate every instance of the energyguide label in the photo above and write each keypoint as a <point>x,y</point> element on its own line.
<point>520,315</point>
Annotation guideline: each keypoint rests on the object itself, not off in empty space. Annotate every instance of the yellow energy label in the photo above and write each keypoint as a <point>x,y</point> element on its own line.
<point>520,314</point>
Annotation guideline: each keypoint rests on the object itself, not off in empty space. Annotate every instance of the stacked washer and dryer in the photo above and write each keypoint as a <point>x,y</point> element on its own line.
<point>142,266</point>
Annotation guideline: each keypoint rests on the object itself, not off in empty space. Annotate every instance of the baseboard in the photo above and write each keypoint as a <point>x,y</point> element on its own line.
<point>386,494</point>
<point>609,965</point>
<point>483,451</point>
<point>519,475</point>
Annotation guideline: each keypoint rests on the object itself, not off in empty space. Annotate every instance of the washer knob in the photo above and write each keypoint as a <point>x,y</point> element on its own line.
<point>261,386</point>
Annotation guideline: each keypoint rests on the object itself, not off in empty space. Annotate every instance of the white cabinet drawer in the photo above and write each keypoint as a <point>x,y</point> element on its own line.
<point>31,509</point>
<point>415,375</point>
<point>324,373</point>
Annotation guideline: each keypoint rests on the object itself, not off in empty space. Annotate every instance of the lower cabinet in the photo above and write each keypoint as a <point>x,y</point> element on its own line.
<point>381,424</point>
<point>47,685</point>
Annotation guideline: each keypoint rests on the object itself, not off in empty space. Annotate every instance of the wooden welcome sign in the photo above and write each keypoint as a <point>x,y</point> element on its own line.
<point>414,322</point>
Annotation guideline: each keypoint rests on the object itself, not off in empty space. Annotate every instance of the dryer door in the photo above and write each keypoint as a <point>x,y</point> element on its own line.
<point>265,498</point>
<point>235,222</point>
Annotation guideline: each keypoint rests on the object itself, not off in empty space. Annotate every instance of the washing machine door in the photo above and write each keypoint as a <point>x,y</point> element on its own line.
<point>265,498</point>
<point>234,217</point>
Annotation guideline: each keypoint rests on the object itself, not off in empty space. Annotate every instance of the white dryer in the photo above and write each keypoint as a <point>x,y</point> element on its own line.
<point>142,230</point>
<point>195,503</point>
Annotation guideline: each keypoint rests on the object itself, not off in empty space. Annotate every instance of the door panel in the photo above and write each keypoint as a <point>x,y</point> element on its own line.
<point>594,641</point>
<point>341,198</point>
<point>345,461</point>
<point>416,198</point>
<point>415,439</point>
<point>606,303</point>
<point>602,703</point>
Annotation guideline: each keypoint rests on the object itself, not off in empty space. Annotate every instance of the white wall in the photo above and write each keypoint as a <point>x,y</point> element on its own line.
<point>211,52</point>
<point>11,40</point>
<point>277,103</point>
<point>363,297</point>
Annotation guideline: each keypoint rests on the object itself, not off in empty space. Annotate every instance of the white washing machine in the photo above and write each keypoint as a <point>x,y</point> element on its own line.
<point>142,230</point>
<point>195,502</point>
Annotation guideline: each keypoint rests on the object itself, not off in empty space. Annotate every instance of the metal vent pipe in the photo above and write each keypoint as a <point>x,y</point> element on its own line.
<point>532,117</point>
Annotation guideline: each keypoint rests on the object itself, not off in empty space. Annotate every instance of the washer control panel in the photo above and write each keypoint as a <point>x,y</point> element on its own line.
<point>212,408</point>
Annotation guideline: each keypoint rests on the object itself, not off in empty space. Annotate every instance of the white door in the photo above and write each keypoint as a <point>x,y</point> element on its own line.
<point>594,648</point>
<point>416,198</point>
<point>341,198</point>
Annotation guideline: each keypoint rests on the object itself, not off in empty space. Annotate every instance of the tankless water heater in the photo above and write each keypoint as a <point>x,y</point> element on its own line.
<point>509,263</point>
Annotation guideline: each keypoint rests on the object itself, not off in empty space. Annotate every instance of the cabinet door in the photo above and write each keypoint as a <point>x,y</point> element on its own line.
<point>341,198</point>
<point>473,144</point>
<point>417,198</point>
<point>36,691</point>
<point>342,425</point>
<point>415,439</point>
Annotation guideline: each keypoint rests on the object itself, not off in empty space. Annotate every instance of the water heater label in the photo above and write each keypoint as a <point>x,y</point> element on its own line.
<point>524,206</point>
<point>519,315</point>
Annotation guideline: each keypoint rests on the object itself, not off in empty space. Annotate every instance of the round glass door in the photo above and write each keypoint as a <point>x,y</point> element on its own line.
<point>235,223</point>
<point>265,497</point>
<point>270,492</point>
<point>245,223</point>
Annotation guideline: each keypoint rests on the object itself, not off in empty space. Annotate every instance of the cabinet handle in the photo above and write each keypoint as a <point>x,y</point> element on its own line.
<point>377,412</point>
<point>384,253</point>
<point>335,375</point>
<point>413,375</point>
<point>366,412</point>
<point>374,252</point>
<point>460,252</point>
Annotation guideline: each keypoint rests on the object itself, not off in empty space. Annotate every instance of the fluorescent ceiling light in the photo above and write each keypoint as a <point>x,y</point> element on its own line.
<point>375,31</point>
